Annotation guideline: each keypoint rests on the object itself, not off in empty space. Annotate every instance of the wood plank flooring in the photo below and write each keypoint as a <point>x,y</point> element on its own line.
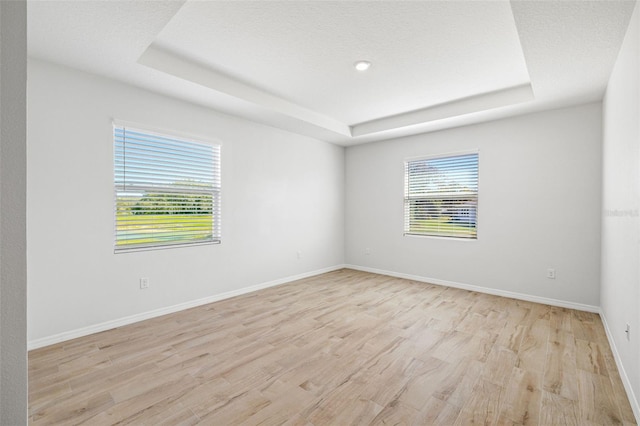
<point>342,348</point>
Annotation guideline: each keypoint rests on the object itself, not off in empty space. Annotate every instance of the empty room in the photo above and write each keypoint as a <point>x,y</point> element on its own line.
<point>320,212</point>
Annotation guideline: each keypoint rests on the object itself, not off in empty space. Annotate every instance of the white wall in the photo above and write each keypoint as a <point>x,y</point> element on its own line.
<point>281,193</point>
<point>13,251</point>
<point>620,283</point>
<point>539,206</point>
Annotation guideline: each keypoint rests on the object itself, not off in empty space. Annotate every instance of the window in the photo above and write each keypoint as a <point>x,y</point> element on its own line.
<point>167,191</point>
<point>441,196</point>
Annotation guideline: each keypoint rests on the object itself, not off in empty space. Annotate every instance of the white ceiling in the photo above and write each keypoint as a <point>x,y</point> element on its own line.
<point>289,64</point>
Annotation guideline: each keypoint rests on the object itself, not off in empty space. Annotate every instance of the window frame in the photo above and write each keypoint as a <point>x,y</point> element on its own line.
<point>407,197</point>
<point>215,191</point>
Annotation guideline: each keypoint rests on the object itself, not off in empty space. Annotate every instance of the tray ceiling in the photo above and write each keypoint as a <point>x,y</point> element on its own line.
<point>290,64</point>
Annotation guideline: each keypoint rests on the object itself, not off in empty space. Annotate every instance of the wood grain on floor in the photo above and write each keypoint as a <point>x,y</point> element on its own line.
<point>341,348</point>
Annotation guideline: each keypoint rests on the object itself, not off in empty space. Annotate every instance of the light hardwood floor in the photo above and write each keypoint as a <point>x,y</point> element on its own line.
<point>342,348</point>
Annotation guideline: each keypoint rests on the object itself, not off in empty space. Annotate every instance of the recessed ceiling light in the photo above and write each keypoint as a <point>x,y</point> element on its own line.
<point>362,65</point>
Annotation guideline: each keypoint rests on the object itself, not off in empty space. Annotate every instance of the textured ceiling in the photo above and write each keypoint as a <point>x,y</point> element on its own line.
<point>423,53</point>
<point>289,64</point>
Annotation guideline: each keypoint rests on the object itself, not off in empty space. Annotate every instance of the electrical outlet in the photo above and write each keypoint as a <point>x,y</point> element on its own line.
<point>144,283</point>
<point>627,331</point>
<point>551,274</point>
<point>299,254</point>
<point>367,251</point>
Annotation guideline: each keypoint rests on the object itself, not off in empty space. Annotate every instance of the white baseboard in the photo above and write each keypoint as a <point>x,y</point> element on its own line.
<point>108,325</point>
<point>633,400</point>
<point>487,290</point>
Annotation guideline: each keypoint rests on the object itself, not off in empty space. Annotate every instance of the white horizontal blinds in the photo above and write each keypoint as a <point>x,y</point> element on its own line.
<point>167,190</point>
<point>441,196</point>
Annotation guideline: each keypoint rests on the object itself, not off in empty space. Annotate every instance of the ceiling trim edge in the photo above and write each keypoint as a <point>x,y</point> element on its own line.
<point>476,103</point>
<point>162,60</point>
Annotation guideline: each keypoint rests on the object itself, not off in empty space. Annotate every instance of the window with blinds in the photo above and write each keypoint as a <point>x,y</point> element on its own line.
<point>441,196</point>
<point>167,191</point>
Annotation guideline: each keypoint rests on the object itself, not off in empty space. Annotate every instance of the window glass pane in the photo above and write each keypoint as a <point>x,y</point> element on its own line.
<point>441,196</point>
<point>167,190</point>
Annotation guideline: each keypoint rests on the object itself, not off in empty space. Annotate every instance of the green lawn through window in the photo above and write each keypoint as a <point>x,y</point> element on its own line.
<point>132,229</point>
<point>441,227</point>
